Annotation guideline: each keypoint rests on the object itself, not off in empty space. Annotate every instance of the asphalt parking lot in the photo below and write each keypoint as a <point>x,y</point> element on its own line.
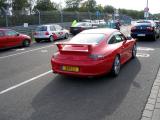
<point>30,91</point>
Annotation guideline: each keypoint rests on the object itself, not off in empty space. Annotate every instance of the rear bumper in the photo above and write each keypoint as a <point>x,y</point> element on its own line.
<point>92,68</point>
<point>75,32</point>
<point>142,35</point>
<point>41,37</point>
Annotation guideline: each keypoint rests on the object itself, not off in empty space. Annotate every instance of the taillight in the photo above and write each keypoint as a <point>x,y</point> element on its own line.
<point>54,36</point>
<point>150,28</point>
<point>46,33</point>
<point>97,56</point>
<point>133,28</point>
<point>55,55</point>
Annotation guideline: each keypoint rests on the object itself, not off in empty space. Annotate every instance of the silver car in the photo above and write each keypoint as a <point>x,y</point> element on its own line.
<point>50,32</point>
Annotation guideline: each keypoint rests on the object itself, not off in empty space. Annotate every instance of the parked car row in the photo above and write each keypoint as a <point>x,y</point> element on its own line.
<point>146,29</point>
<point>10,38</point>
<point>51,32</point>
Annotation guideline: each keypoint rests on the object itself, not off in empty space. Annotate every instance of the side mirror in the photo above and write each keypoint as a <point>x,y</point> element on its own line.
<point>17,34</point>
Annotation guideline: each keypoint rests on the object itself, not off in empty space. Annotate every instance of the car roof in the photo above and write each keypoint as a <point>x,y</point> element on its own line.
<point>100,31</point>
<point>3,29</point>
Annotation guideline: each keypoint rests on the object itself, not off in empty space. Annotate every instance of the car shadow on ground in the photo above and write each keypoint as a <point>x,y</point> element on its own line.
<point>68,98</point>
<point>149,43</point>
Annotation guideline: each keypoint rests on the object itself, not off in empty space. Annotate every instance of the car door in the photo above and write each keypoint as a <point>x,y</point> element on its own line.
<point>116,43</point>
<point>53,31</point>
<point>2,39</point>
<point>12,38</point>
<point>127,46</point>
<point>59,31</point>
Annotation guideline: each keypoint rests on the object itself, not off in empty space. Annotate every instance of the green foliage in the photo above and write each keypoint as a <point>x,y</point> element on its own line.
<point>89,5</point>
<point>132,13</point>
<point>109,9</point>
<point>19,4</point>
<point>45,5</point>
<point>72,5</point>
<point>3,3</point>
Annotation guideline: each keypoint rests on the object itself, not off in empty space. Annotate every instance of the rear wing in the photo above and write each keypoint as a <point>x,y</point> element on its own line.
<point>61,47</point>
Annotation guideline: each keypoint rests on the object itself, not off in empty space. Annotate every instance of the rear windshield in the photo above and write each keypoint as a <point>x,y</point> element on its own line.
<point>86,38</point>
<point>1,34</point>
<point>41,28</point>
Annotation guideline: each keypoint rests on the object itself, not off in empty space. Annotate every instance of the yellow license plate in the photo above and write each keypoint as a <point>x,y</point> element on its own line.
<point>70,68</point>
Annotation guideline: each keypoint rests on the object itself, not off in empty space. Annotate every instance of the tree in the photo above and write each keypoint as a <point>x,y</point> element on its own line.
<point>45,5</point>
<point>3,3</point>
<point>100,8</point>
<point>109,9</point>
<point>72,5</point>
<point>132,13</point>
<point>89,5</point>
<point>20,4</point>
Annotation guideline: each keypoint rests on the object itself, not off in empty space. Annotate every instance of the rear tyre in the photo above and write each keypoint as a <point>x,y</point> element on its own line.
<point>134,51</point>
<point>154,38</point>
<point>26,43</point>
<point>51,39</point>
<point>66,36</point>
<point>116,66</point>
<point>37,40</point>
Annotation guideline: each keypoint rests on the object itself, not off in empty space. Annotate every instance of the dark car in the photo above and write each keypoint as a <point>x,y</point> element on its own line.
<point>10,38</point>
<point>80,26</point>
<point>145,29</point>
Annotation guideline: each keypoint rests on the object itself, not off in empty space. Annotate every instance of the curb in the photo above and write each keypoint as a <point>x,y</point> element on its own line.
<point>152,107</point>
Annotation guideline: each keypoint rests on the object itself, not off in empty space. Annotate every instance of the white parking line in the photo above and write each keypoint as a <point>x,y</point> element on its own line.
<point>25,82</point>
<point>24,52</point>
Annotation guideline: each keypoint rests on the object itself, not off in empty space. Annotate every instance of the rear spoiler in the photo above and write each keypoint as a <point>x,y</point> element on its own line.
<point>60,46</point>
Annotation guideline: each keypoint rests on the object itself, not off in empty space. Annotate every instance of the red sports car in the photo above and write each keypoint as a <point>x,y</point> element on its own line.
<point>94,52</point>
<point>10,38</point>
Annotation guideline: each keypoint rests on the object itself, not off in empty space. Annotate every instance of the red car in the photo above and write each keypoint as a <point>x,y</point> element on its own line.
<point>94,52</point>
<point>10,38</point>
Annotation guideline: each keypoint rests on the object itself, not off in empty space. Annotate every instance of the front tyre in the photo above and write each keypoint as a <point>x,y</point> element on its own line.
<point>134,51</point>
<point>154,37</point>
<point>116,66</point>
<point>51,39</point>
<point>66,36</point>
<point>26,43</point>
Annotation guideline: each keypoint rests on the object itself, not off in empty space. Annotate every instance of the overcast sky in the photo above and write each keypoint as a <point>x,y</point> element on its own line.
<point>154,5</point>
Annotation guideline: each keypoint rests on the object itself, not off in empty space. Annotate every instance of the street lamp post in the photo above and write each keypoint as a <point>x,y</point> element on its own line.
<point>146,11</point>
<point>147,3</point>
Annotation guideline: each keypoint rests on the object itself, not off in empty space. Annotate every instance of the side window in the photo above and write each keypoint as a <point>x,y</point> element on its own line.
<point>58,27</point>
<point>112,40</point>
<point>118,38</point>
<point>52,28</point>
<point>1,34</point>
<point>11,33</point>
<point>122,37</point>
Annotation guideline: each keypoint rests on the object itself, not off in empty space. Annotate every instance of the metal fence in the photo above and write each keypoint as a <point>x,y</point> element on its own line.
<point>18,18</point>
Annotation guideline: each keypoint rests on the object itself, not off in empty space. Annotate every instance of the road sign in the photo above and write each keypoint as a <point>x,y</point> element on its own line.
<point>116,12</point>
<point>146,9</point>
<point>146,14</point>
